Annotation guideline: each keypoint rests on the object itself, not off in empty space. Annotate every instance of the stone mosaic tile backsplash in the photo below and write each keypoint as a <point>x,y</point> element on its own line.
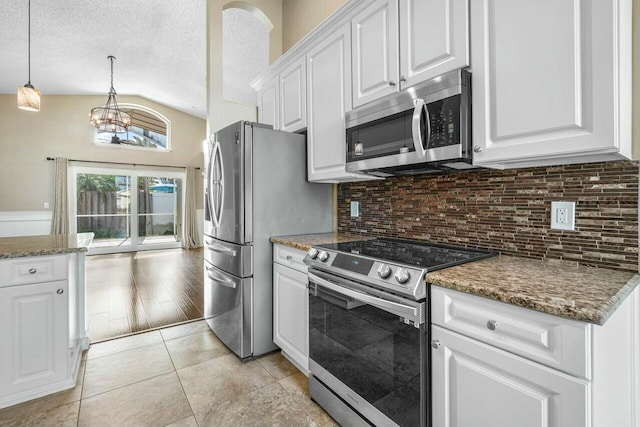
<point>508,211</point>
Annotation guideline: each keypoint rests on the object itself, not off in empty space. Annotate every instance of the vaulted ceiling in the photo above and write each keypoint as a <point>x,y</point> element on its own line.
<point>159,45</point>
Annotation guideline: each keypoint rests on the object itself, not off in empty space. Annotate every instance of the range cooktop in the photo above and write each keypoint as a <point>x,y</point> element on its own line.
<point>396,265</point>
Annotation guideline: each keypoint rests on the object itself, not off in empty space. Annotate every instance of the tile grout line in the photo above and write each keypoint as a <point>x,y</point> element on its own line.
<point>164,342</point>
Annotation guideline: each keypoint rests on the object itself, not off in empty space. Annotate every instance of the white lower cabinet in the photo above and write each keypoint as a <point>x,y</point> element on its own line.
<point>42,325</point>
<point>476,385</point>
<point>500,365</point>
<point>291,305</point>
<point>34,335</point>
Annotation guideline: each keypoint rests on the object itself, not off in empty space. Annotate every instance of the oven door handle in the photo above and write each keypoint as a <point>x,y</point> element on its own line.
<point>416,314</point>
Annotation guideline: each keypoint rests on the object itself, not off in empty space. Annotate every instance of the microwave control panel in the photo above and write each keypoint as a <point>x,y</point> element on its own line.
<point>444,118</point>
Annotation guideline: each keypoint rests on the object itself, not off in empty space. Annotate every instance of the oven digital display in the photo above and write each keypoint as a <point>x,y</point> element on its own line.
<point>357,265</point>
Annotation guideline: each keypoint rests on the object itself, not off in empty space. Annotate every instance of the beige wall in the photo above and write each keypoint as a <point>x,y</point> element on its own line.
<point>299,17</point>
<point>61,129</point>
<point>220,112</point>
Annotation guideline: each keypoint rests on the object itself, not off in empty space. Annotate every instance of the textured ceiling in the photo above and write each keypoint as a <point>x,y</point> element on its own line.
<point>159,45</point>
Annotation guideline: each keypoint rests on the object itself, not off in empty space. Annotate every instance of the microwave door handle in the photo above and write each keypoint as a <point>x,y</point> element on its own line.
<point>406,311</point>
<point>420,107</point>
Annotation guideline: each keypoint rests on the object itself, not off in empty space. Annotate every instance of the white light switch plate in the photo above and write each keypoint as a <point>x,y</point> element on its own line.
<point>355,209</point>
<point>563,215</point>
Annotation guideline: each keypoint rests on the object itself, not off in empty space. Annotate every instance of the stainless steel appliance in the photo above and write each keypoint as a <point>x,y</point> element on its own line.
<point>255,187</point>
<point>369,328</point>
<point>426,128</point>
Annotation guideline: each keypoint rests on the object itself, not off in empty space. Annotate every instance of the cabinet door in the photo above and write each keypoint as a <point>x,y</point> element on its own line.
<point>268,104</point>
<point>434,38</point>
<point>477,385</point>
<point>34,337</point>
<point>293,97</point>
<point>549,86</point>
<point>328,89</point>
<point>374,38</point>
<point>291,313</point>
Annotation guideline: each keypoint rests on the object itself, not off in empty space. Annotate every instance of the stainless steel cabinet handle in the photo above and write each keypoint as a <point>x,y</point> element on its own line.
<point>60,291</point>
<point>435,344</point>
<point>477,149</point>
<point>32,270</point>
<point>492,325</point>
<point>392,83</point>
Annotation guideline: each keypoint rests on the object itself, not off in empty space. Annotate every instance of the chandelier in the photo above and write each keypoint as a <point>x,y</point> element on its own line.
<point>109,118</point>
<point>28,96</point>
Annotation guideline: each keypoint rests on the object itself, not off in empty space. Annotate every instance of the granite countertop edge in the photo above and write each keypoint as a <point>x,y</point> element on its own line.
<point>42,252</point>
<point>596,316</point>
<point>44,245</point>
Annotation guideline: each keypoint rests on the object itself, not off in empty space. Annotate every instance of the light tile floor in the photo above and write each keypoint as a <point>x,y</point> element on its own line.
<point>179,376</point>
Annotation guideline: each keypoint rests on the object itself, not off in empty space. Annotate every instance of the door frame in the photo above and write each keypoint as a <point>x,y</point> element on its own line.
<point>134,245</point>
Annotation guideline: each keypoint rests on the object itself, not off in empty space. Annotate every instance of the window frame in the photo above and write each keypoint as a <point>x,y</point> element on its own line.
<point>148,110</point>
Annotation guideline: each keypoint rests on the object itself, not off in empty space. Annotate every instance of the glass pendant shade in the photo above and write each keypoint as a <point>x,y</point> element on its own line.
<point>28,98</point>
<point>109,118</point>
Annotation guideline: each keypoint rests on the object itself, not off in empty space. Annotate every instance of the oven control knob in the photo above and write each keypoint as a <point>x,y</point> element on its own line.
<point>313,253</point>
<point>402,275</point>
<point>384,271</point>
<point>323,256</point>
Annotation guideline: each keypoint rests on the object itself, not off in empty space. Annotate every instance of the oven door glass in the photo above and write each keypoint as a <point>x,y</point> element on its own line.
<point>371,351</point>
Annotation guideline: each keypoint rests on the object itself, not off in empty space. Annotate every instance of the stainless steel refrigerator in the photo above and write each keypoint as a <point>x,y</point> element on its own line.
<point>255,188</point>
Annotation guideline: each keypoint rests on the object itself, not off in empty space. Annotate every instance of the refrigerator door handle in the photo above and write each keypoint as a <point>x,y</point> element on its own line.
<point>219,248</point>
<point>220,279</point>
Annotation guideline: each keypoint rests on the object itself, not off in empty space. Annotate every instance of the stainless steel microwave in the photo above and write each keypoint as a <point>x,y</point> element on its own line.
<point>423,129</point>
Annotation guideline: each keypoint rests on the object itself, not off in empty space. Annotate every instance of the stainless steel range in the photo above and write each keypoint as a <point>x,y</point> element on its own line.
<point>369,328</point>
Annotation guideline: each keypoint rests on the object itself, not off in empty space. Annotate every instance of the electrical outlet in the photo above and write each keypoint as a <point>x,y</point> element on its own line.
<point>46,205</point>
<point>355,209</point>
<point>563,215</point>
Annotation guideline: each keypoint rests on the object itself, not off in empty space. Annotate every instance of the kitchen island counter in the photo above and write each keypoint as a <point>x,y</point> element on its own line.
<point>26,246</point>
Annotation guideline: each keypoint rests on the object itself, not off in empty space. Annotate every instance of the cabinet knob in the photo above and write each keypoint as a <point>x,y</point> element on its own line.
<point>492,325</point>
<point>289,257</point>
<point>32,270</point>
<point>60,291</point>
<point>477,149</point>
<point>392,83</point>
<point>402,79</point>
<point>435,344</point>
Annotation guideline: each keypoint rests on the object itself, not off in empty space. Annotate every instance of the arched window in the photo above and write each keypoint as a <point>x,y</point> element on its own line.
<point>149,130</point>
<point>245,51</point>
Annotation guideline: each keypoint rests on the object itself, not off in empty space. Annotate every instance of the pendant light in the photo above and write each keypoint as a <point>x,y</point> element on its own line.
<point>28,96</point>
<point>109,118</point>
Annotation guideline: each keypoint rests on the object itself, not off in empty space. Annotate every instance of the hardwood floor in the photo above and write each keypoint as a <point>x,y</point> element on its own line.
<point>136,291</point>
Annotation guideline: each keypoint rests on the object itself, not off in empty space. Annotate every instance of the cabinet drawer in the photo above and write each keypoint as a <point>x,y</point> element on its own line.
<point>290,257</point>
<point>20,271</point>
<point>553,341</point>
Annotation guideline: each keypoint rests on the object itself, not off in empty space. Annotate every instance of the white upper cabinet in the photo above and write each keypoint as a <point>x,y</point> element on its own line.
<point>268,103</point>
<point>434,38</point>
<point>399,43</point>
<point>551,81</point>
<point>293,97</point>
<point>328,89</point>
<point>374,41</point>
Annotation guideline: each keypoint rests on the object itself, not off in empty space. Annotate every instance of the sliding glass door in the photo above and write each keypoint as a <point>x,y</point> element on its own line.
<point>127,210</point>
